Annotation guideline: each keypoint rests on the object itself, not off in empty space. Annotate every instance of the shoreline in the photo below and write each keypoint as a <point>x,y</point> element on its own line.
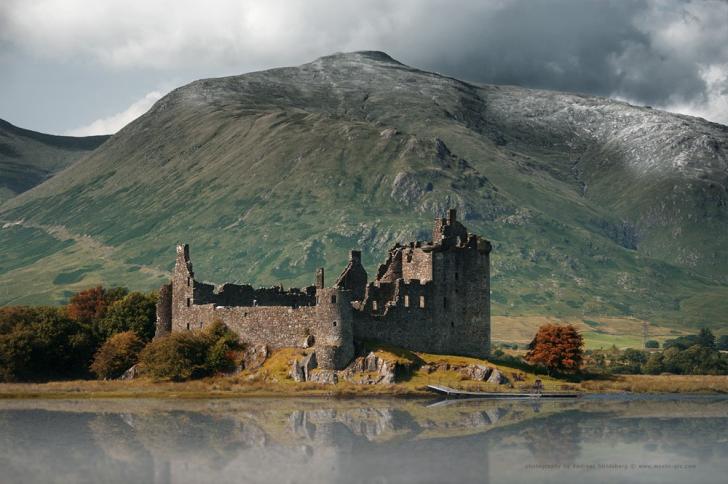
<point>225,388</point>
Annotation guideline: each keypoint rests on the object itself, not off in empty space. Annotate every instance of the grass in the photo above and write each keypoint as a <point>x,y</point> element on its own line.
<point>272,380</point>
<point>598,331</point>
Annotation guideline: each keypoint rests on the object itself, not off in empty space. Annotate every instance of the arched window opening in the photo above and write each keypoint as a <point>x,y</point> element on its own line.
<point>406,301</point>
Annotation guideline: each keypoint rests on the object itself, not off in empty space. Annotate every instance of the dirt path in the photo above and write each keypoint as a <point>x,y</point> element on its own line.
<point>99,249</point>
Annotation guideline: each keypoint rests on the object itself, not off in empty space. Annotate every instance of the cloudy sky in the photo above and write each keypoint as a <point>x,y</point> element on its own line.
<point>89,67</point>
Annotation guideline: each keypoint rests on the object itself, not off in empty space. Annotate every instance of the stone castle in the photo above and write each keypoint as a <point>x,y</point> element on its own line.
<point>431,297</point>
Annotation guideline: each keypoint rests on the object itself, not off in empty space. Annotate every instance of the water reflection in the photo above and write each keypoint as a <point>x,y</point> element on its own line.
<point>377,441</point>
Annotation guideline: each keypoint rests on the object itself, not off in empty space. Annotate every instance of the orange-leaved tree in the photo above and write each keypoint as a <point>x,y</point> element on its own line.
<point>558,348</point>
<point>91,304</point>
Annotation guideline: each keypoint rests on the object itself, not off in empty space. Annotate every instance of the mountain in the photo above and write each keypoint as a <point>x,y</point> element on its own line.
<point>27,158</point>
<point>595,207</point>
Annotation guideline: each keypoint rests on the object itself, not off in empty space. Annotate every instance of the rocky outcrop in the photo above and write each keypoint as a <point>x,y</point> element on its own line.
<point>296,371</point>
<point>476,372</point>
<point>305,369</point>
<point>131,373</point>
<point>255,356</point>
<point>373,369</point>
<point>498,378</point>
<point>308,364</point>
<point>328,377</point>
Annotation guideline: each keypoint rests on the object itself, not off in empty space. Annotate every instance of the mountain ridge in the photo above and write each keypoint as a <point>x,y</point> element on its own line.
<point>595,206</point>
<point>27,158</point>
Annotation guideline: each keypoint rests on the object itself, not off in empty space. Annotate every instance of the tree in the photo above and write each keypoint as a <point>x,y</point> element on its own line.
<point>652,344</point>
<point>557,348</point>
<point>117,354</point>
<point>681,342</point>
<point>631,361</point>
<point>39,343</point>
<point>653,365</point>
<point>135,312</point>
<point>90,305</point>
<point>723,342</point>
<point>706,338</point>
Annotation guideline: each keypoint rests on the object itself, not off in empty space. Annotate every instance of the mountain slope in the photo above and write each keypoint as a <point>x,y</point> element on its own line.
<point>27,158</point>
<point>595,207</point>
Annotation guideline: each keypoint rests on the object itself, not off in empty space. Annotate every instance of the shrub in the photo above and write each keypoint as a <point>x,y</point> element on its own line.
<point>557,348</point>
<point>652,344</point>
<point>134,312</point>
<point>117,354</point>
<point>185,355</point>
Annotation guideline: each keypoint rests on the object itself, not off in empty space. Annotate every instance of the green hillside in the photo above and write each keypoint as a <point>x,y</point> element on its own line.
<point>595,207</point>
<point>28,158</point>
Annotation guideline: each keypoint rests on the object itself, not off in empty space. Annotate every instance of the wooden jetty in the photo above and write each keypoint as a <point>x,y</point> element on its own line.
<point>453,393</point>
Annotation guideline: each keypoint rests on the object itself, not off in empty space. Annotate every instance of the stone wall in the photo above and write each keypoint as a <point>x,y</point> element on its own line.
<point>164,311</point>
<point>327,315</point>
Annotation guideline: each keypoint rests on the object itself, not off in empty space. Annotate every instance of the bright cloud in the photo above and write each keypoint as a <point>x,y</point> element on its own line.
<point>113,123</point>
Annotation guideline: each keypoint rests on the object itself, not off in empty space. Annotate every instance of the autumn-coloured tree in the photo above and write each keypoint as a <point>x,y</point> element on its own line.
<point>557,348</point>
<point>117,355</point>
<point>90,305</point>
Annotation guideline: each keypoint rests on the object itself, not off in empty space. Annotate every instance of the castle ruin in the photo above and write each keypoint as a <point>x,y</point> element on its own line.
<point>432,297</point>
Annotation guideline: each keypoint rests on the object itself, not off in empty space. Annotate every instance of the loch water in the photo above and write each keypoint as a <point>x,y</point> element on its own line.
<point>656,439</point>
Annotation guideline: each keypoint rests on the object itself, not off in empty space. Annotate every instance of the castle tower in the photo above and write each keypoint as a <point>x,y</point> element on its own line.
<point>335,343</point>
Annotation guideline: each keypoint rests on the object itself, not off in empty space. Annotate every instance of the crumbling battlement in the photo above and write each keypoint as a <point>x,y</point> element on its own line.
<point>428,296</point>
<point>431,296</point>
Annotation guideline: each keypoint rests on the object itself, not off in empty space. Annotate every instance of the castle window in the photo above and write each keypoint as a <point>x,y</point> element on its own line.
<point>188,302</point>
<point>374,305</point>
<point>406,301</point>
<point>452,324</point>
<point>188,326</point>
<point>444,303</point>
<point>189,281</point>
<point>333,299</point>
<point>422,301</point>
<point>334,323</point>
<point>456,276</point>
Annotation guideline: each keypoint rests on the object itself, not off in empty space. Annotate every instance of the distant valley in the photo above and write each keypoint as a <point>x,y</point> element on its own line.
<point>27,158</point>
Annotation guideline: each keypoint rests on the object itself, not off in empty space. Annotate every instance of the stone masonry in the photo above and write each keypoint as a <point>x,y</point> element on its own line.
<point>428,296</point>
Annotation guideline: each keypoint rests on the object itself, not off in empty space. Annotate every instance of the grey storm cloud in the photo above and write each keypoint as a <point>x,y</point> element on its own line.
<point>666,53</point>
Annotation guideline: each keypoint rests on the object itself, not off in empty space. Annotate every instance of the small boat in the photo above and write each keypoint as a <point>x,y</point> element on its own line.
<point>453,393</point>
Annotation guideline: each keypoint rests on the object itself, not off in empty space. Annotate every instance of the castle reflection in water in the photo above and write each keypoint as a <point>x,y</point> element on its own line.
<point>382,441</point>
